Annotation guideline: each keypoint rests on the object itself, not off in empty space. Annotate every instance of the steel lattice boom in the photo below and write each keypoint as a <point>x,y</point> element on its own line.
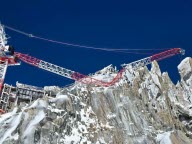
<point>157,57</point>
<point>89,80</point>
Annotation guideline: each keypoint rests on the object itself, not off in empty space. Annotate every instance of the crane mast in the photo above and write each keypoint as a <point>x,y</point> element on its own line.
<point>3,39</point>
<point>5,59</point>
<point>3,69</point>
<point>89,80</point>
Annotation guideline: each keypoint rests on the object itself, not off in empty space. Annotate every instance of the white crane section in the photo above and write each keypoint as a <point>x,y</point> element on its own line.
<point>55,69</point>
<point>3,39</point>
<point>3,69</point>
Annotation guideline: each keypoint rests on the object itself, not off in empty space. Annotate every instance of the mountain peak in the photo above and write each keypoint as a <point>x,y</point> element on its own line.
<point>143,107</point>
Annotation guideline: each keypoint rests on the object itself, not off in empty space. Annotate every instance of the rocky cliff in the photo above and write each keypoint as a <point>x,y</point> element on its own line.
<point>144,107</point>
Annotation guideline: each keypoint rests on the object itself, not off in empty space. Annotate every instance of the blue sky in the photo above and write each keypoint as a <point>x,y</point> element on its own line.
<point>113,24</point>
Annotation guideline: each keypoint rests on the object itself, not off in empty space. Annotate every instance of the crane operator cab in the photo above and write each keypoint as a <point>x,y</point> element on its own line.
<point>7,54</point>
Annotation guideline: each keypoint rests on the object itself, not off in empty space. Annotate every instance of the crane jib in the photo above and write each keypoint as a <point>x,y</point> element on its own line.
<point>88,79</point>
<point>166,54</point>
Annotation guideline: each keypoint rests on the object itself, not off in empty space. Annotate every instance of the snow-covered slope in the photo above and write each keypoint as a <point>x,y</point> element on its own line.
<point>143,107</point>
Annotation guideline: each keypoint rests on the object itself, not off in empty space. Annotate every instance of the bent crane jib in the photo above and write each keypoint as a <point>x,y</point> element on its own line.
<point>8,57</point>
<point>88,79</point>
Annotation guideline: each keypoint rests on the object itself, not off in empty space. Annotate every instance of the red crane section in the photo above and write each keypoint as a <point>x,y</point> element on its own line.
<point>88,79</point>
<point>27,59</point>
<point>167,54</point>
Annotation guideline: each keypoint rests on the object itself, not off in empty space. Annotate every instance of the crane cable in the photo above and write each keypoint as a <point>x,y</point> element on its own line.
<point>133,51</point>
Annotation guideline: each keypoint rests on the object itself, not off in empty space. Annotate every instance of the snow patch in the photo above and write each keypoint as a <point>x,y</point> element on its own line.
<point>164,138</point>
<point>15,120</point>
<point>185,67</point>
<point>59,99</point>
<point>39,104</point>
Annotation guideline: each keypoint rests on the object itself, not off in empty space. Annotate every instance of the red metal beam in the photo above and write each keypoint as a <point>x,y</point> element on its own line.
<point>28,59</point>
<point>166,54</point>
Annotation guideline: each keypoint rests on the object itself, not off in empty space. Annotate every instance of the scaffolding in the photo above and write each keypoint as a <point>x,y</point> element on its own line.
<point>8,97</point>
<point>12,96</point>
<point>28,93</point>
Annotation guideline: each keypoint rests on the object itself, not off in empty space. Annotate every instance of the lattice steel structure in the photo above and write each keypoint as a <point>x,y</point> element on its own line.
<point>28,92</point>
<point>89,80</point>
<point>3,39</point>
<point>8,97</point>
<point>3,69</point>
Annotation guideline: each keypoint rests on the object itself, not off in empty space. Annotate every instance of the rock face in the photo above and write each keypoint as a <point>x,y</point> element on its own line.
<point>143,107</point>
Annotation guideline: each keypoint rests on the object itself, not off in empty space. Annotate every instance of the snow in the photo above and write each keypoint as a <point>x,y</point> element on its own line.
<point>106,74</point>
<point>28,86</point>
<point>85,116</point>
<point>164,138</point>
<point>79,132</point>
<point>50,88</point>
<point>107,126</point>
<point>7,115</point>
<point>56,110</point>
<point>154,90</point>
<point>101,141</point>
<point>184,67</point>
<point>80,128</point>
<point>53,89</point>
<point>15,120</point>
<point>75,138</point>
<point>39,104</point>
<point>111,116</point>
<point>155,68</point>
<point>16,136</point>
<point>156,80</point>
<point>105,78</point>
<point>107,70</point>
<point>59,99</point>
<point>33,123</point>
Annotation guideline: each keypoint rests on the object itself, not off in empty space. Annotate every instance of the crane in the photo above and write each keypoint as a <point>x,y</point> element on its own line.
<point>12,60</point>
<point>88,79</point>
<point>8,58</point>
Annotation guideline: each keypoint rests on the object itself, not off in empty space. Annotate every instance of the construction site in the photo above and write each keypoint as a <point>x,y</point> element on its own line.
<point>11,96</point>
